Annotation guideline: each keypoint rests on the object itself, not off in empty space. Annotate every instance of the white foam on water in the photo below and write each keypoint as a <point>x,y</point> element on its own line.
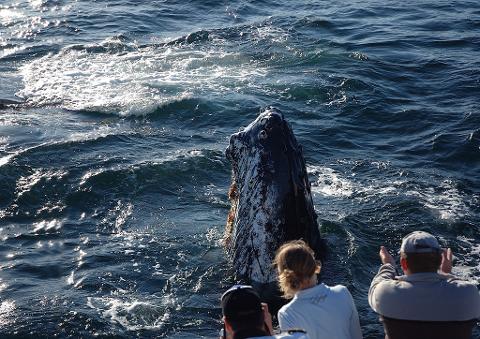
<point>95,133</point>
<point>338,99</point>
<point>468,266</point>
<point>330,183</point>
<point>134,81</point>
<point>3,143</point>
<point>37,3</point>
<point>214,236</point>
<point>359,56</point>
<point>3,286</point>
<point>271,33</point>
<point>6,159</point>
<point>133,315</point>
<point>445,199</point>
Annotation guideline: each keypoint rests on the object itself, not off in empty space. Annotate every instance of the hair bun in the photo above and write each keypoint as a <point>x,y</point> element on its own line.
<point>296,265</point>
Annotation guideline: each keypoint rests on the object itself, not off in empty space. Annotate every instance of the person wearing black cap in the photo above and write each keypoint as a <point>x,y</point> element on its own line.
<point>427,301</point>
<point>245,316</point>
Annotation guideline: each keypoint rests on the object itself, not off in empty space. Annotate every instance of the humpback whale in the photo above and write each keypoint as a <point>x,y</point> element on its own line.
<point>270,198</point>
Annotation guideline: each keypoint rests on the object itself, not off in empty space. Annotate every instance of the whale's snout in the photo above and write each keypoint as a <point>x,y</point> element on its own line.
<point>271,118</point>
<point>268,129</point>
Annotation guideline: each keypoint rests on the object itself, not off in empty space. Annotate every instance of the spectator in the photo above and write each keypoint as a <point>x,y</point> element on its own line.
<point>427,301</point>
<point>323,311</point>
<point>244,316</point>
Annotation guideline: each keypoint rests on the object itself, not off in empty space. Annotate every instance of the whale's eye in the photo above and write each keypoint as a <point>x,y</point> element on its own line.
<point>262,135</point>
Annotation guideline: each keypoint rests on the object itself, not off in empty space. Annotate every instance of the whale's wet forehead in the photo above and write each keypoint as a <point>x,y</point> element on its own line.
<point>264,132</point>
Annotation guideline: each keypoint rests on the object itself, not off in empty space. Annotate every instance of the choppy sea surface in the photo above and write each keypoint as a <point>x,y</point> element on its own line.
<point>113,178</point>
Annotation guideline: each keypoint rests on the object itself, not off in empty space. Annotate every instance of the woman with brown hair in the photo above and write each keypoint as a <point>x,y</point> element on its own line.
<point>321,310</point>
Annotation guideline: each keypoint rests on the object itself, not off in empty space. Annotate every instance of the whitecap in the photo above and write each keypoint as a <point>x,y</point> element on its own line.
<point>330,182</point>
<point>6,159</point>
<point>134,81</point>
<point>445,199</point>
<point>133,315</point>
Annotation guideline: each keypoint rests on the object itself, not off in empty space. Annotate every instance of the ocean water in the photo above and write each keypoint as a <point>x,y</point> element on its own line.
<point>113,178</point>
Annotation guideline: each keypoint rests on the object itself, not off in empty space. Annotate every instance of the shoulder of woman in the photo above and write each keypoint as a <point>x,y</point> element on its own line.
<point>339,289</point>
<point>283,309</point>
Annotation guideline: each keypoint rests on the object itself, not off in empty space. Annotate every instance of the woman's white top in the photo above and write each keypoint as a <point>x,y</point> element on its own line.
<point>324,312</point>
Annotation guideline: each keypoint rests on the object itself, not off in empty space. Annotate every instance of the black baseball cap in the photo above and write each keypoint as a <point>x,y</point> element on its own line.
<point>241,303</point>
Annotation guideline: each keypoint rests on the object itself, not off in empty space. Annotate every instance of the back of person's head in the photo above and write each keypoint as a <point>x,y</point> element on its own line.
<point>242,308</point>
<point>422,262</point>
<point>296,264</point>
<point>422,252</point>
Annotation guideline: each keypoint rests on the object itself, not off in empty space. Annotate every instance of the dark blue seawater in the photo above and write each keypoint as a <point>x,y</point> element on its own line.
<point>113,178</point>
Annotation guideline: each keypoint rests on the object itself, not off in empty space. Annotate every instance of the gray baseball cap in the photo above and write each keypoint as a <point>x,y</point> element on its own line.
<point>420,242</point>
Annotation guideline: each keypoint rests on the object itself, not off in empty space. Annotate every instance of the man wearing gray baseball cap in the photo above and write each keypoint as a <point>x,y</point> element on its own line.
<point>427,301</point>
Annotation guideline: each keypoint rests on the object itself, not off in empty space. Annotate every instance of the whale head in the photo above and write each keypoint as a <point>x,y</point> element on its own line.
<point>270,197</point>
